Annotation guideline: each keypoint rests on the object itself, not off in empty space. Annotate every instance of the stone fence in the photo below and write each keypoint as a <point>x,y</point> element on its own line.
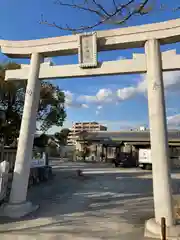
<point>40,170</point>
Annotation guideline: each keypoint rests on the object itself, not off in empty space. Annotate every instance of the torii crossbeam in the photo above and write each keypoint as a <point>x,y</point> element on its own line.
<point>149,36</point>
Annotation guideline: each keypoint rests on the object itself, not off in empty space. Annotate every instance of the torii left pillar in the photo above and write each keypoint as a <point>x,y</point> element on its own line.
<point>18,206</point>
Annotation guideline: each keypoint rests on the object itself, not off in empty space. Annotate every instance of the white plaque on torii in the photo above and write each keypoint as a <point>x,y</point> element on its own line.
<point>87,50</point>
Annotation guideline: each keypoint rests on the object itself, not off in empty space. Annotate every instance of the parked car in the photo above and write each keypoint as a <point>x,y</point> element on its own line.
<point>125,160</point>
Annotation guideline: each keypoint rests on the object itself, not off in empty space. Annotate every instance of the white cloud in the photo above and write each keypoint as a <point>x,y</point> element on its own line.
<point>121,58</point>
<point>173,121</point>
<point>126,93</point>
<point>84,105</point>
<point>104,95</point>
<point>68,98</point>
<point>49,60</point>
<point>171,84</point>
<point>172,81</point>
<point>97,112</point>
<point>99,107</point>
<point>70,101</point>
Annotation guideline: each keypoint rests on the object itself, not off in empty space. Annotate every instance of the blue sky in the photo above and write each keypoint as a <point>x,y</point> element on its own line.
<point>92,99</point>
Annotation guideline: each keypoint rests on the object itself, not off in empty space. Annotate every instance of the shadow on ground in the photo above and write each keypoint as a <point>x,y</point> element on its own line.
<point>103,203</point>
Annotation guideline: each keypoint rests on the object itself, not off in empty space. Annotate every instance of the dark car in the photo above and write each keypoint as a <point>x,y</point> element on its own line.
<point>125,160</point>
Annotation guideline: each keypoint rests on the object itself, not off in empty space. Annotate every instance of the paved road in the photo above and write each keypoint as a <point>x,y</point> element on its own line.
<point>107,203</point>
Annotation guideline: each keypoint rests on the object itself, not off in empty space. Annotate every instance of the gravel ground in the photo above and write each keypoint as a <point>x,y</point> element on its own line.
<point>106,203</point>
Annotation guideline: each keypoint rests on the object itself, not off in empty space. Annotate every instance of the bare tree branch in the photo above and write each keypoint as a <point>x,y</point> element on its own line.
<point>115,4</point>
<point>119,14</point>
<point>176,9</point>
<point>79,6</point>
<point>101,7</point>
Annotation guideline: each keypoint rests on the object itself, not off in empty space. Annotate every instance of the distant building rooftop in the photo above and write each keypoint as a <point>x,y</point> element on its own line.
<point>129,136</point>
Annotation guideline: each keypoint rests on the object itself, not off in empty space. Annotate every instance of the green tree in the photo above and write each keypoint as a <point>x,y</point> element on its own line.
<point>41,141</point>
<point>12,93</point>
<point>83,139</point>
<point>62,136</point>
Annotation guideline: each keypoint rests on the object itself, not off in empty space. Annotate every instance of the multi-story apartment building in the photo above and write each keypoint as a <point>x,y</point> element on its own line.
<point>83,126</point>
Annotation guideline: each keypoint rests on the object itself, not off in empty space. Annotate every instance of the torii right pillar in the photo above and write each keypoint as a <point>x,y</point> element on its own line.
<point>163,205</point>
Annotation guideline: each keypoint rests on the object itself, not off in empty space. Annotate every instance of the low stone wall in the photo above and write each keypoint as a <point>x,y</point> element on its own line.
<point>37,175</point>
<point>40,170</point>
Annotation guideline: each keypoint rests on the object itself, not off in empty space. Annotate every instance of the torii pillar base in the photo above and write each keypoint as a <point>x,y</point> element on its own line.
<point>17,210</point>
<point>153,230</point>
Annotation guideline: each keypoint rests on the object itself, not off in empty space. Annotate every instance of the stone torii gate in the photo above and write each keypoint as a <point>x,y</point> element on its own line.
<point>150,36</point>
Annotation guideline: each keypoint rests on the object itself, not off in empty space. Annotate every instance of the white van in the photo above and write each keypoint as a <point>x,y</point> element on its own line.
<point>145,159</point>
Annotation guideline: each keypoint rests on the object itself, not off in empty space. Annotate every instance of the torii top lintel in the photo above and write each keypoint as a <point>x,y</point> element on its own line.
<point>121,38</point>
